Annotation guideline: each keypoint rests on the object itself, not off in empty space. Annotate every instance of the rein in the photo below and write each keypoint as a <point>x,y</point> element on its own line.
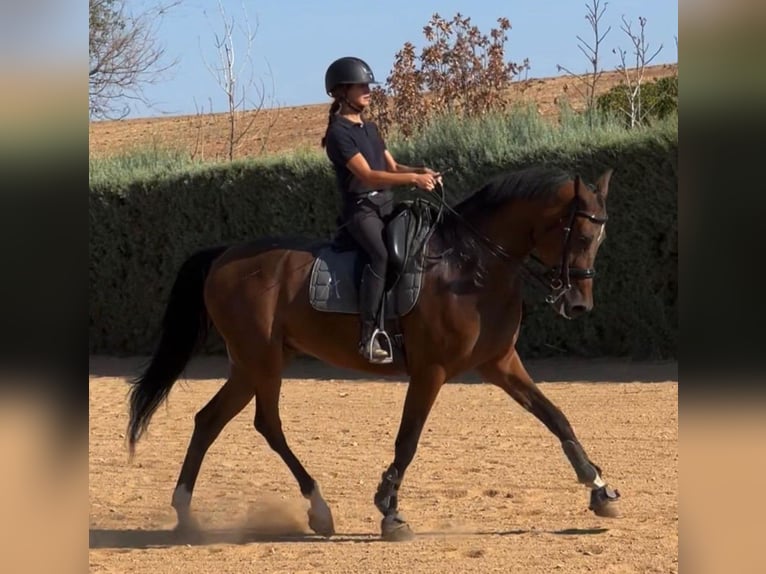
<point>554,279</point>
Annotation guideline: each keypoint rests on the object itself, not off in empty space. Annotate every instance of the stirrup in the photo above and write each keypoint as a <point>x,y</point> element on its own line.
<point>389,351</point>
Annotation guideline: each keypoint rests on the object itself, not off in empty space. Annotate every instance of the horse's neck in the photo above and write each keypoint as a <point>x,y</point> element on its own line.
<point>511,227</point>
<point>511,230</point>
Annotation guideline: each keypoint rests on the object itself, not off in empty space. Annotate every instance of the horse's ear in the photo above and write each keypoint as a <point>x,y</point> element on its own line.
<point>602,185</point>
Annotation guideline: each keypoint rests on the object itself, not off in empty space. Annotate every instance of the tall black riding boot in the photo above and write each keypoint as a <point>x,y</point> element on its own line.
<point>371,292</point>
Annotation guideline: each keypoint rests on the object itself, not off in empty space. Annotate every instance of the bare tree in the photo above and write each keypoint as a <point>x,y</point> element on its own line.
<point>634,77</point>
<point>590,80</point>
<point>198,123</point>
<point>124,56</point>
<point>229,77</point>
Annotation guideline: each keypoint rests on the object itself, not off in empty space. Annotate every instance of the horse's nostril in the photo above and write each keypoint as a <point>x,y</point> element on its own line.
<point>577,310</point>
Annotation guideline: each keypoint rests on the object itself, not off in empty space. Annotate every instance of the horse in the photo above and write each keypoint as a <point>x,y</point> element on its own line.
<point>467,317</point>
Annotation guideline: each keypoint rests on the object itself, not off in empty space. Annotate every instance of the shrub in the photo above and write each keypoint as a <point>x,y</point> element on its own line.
<point>659,99</point>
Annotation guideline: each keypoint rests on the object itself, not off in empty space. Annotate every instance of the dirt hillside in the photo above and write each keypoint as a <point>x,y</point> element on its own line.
<point>283,129</point>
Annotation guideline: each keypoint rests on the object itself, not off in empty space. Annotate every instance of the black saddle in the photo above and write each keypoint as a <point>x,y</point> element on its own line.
<point>337,269</point>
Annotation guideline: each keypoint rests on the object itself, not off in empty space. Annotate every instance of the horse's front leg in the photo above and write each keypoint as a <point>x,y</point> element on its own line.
<point>421,394</point>
<point>510,375</point>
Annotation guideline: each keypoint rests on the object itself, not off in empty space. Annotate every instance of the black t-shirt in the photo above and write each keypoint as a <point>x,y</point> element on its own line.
<point>344,140</point>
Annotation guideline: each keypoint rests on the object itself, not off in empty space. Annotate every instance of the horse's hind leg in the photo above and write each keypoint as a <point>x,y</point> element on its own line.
<point>208,424</point>
<point>269,424</point>
<point>510,375</point>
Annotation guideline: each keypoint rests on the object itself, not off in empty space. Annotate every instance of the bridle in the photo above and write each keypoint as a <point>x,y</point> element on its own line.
<point>557,279</point>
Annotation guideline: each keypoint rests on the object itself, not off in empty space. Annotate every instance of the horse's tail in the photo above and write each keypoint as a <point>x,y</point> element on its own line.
<point>184,327</point>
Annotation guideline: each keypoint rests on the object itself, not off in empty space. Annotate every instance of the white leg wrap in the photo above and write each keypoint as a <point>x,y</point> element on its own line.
<point>598,482</point>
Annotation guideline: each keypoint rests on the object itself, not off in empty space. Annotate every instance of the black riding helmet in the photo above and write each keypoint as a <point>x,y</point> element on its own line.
<point>348,70</point>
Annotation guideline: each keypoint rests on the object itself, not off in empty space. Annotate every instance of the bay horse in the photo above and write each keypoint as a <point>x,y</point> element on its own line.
<point>467,317</point>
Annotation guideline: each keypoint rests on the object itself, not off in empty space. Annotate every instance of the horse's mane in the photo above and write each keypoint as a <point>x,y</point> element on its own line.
<point>536,182</point>
<point>464,248</point>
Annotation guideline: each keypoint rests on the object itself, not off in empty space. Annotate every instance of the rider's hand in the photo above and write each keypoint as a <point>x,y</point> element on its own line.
<point>436,174</point>
<point>427,181</point>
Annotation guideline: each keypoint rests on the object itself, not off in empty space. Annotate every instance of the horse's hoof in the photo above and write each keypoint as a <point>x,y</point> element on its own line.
<point>187,522</point>
<point>395,529</point>
<point>322,522</point>
<point>603,502</point>
<point>188,531</point>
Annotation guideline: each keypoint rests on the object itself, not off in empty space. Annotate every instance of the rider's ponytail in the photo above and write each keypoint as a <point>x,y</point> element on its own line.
<point>334,107</point>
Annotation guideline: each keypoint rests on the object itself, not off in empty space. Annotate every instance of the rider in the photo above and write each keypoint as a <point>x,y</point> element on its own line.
<point>365,172</point>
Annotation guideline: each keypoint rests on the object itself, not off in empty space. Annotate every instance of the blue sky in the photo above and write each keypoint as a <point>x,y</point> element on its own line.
<point>297,39</point>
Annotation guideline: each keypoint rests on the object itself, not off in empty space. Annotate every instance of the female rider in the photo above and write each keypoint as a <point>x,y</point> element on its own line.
<point>365,172</point>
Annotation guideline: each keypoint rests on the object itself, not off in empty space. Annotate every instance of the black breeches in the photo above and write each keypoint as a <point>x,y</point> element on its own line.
<point>366,227</point>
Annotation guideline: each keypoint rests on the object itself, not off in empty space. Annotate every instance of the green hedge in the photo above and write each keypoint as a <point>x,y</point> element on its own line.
<point>142,230</point>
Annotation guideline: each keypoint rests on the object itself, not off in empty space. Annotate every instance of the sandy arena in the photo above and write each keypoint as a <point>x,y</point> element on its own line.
<point>490,489</point>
